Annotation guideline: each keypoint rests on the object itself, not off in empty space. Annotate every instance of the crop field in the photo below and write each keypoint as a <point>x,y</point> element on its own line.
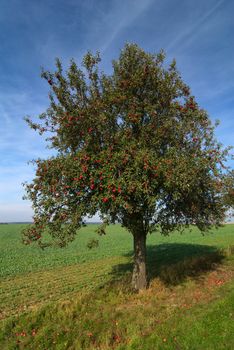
<point>79,298</point>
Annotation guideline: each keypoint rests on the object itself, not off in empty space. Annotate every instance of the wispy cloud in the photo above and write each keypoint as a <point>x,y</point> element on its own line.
<point>198,34</point>
<point>187,34</point>
<point>105,24</point>
<point>123,17</point>
<point>15,135</point>
<point>18,145</point>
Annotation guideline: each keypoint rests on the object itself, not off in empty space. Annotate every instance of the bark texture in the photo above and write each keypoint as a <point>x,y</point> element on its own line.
<point>139,277</point>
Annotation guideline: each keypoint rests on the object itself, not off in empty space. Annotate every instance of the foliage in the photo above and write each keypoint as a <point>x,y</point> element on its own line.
<point>229,190</point>
<point>133,146</point>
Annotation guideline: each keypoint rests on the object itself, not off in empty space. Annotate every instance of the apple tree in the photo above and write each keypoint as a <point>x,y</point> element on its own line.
<point>133,146</point>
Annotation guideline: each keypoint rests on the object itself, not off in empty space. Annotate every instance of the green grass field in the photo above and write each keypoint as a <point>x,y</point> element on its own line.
<point>76,298</point>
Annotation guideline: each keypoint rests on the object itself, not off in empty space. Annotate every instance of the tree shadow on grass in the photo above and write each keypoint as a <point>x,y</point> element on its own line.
<point>173,263</point>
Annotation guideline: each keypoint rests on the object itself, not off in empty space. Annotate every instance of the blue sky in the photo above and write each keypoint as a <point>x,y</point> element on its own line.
<point>199,34</point>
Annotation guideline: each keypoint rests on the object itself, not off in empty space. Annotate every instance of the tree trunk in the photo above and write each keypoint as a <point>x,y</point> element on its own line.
<point>139,278</point>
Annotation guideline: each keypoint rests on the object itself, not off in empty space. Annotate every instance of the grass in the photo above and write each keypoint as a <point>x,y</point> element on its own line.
<point>197,315</point>
<point>78,298</point>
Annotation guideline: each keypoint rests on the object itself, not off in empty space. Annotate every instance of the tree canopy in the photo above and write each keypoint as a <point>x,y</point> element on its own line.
<point>133,146</point>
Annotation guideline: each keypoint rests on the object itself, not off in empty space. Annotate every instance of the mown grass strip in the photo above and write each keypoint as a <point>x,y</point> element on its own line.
<point>196,315</point>
<point>19,294</point>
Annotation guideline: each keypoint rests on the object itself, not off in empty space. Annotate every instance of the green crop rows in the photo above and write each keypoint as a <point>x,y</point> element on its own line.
<point>17,259</point>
